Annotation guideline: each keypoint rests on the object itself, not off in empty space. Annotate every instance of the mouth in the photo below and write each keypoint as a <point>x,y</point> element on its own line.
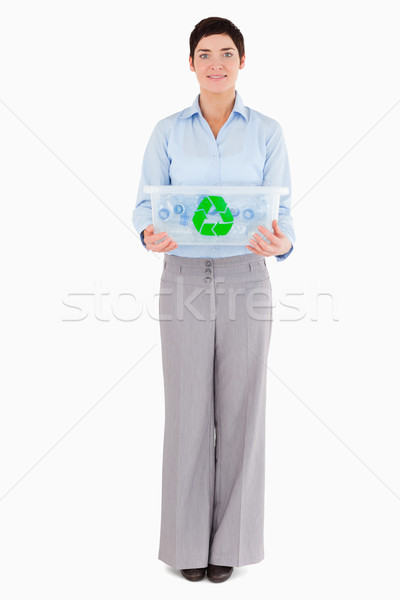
<point>216,77</point>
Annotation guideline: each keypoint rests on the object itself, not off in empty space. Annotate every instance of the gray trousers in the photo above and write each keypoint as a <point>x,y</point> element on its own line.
<point>215,325</point>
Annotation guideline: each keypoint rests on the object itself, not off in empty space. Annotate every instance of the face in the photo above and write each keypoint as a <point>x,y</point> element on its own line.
<point>216,63</point>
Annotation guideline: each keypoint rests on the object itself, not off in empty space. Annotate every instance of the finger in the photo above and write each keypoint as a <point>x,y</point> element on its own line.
<point>263,248</point>
<point>152,239</point>
<point>160,247</point>
<point>267,233</point>
<point>276,226</point>
<point>157,236</point>
<point>263,244</point>
<point>149,238</point>
<point>167,245</point>
<point>172,241</point>
<point>255,247</point>
<point>171,246</point>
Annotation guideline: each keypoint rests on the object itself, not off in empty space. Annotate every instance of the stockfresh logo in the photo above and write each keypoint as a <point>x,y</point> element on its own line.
<point>201,212</point>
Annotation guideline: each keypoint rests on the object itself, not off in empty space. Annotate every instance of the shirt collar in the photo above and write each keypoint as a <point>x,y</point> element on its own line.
<point>238,107</point>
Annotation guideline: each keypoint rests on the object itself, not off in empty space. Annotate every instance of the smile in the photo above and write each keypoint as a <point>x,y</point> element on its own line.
<point>216,76</point>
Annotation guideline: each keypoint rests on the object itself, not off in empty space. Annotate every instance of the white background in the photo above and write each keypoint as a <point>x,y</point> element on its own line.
<point>82,85</point>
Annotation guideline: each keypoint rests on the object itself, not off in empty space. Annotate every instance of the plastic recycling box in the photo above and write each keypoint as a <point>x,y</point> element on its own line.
<point>211,214</point>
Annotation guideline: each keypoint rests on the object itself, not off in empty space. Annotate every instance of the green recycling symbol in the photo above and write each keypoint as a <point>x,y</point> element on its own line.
<point>203,209</point>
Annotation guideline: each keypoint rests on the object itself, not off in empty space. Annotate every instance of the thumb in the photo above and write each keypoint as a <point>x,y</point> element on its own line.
<point>276,227</point>
<point>149,228</point>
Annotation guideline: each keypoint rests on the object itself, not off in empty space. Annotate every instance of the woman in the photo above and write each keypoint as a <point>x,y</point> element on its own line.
<point>215,336</point>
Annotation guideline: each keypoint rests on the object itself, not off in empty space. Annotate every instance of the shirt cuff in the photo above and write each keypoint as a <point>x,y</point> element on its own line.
<point>142,239</point>
<point>283,256</point>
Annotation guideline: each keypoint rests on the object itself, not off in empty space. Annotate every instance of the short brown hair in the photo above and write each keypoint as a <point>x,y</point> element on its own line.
<point>213,25</point>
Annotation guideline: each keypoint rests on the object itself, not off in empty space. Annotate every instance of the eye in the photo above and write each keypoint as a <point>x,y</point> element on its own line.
<point>202,55</point>
<point>229,54</point>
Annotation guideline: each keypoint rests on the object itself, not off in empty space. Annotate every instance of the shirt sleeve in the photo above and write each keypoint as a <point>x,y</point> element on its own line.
<point>277,173</point>
<point>155,171</point>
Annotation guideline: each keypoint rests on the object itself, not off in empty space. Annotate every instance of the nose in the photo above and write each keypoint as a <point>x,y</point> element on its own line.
<point>216,63</point>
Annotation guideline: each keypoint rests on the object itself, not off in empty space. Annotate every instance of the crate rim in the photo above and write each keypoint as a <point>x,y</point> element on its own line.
<point>212,189</point>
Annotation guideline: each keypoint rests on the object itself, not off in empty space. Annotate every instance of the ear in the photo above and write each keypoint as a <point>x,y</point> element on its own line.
<point>191,64</point>
<point>242,62</point>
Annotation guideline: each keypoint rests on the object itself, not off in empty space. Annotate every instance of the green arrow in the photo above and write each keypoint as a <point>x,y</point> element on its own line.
<point>222,228</point>
<point>198,218</point>
<point>219,203</point>
<point>227,216</point>
<point>202,210</point>
<point>207,229</point>
<point>205,204</point>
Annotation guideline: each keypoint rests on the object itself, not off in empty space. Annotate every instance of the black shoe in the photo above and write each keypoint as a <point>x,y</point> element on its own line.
<point>194,574</point>
<point>218,573</point>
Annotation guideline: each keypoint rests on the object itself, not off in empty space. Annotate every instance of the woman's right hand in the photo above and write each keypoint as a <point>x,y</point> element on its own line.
<point>150,240</point>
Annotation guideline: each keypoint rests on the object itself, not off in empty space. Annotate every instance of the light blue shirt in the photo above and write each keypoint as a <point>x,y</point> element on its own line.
<point>249,149</point>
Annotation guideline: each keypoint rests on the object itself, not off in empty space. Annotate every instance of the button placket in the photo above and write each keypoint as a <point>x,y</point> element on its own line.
<point>208,270</point>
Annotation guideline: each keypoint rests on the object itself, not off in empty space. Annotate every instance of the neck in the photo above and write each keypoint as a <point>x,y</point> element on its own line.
<point>216,107</point>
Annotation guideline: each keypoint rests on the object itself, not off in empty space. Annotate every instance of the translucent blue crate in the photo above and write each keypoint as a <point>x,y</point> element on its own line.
<point>211,214</point>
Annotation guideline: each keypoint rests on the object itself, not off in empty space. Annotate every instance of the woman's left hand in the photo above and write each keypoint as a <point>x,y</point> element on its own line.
<point>280,244</point>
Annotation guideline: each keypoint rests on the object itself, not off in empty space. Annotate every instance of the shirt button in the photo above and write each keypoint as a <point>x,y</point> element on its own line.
<point>208,263</point>
<point>208,270</point>
<point>207,279</point>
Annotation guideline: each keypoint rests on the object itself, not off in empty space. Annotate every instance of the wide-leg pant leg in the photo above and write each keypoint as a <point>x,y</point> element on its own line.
<point>214,359</point>
<point>243,331</point>
<point>188,471</point>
